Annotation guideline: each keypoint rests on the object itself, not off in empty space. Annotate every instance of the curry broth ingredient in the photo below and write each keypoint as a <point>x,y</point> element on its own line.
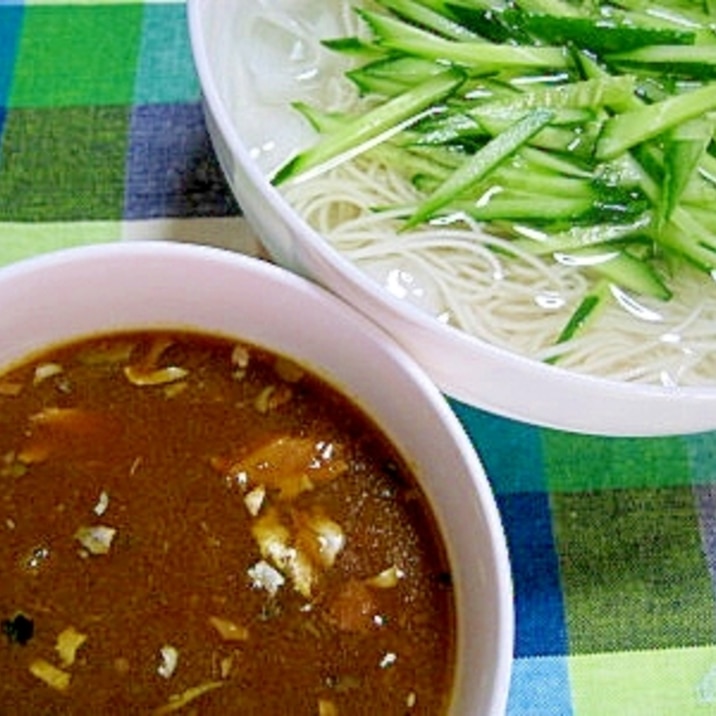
<point>197,526</point>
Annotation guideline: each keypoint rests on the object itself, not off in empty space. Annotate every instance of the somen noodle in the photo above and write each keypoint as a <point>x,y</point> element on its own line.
<point>473,280</point>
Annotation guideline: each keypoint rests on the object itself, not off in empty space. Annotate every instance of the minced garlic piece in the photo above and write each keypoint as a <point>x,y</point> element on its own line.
<point>262,401</point>
<point>37,451</point>
<point>272,397</point>
<point>68,642</point>
<point>301,572</point>
<point>179,701</point>
<point>51,675</point>
<point>70,418</point>
<point>174,389</point>
<point>255,499</point>
<point>387,579</point>
<point>102,504</point>
<point>228,630</point>
<point>11,466</point>
<point>169,661</point>
<point>389,658</point>
<point>45,371</point>
<point>240,356</point>
<point>272,537</point>
<point>287,370</point>
<point>107,353</point>
<point>96,539</point>
<point>147,372</point>
<point>225,666</point>
<point>264,576</point>
<point>10,389</point>
<point>319,537</point>
<point>327,708</point>
<point>274,542</point>
<point>37,557</point>
<point>159,376</point>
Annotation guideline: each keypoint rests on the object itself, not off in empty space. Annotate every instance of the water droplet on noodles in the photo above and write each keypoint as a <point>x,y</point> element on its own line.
<point>550,300</point>
<point>635,307</point>
<point>407,281</point>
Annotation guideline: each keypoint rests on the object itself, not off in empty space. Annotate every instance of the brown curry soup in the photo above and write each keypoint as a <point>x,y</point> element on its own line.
<point>193,525</point>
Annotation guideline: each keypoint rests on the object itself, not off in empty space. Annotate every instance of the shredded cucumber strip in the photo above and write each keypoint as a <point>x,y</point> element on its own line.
<point>684,150</point>
<point>362,132</point>
<point>623,269</point>
<point>584,314</point>
<point>572,128</point>
<point>397,35</point>
<point>430,18</point>
<point>623,131</point>
<point>477,166</point>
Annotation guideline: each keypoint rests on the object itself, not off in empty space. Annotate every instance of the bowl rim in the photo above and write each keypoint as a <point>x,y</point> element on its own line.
<point>597,405</point>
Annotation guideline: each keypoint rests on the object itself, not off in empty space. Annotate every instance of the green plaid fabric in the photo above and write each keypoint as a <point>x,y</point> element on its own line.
<point>612,541</point>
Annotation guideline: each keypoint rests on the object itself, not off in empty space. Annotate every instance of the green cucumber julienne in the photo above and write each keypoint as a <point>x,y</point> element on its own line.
<point>479,164</point>
<point>361,133</point>
<point>603,113</point>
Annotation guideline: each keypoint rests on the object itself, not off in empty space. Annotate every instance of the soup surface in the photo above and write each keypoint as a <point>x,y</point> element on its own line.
<point>192,525</point>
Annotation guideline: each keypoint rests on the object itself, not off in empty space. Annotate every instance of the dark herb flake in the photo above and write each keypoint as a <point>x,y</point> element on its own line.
<point>19,629</point>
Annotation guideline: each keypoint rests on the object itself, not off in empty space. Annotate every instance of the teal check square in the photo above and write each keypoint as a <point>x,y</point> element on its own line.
<point>511,451</point>
<point>165,72</point>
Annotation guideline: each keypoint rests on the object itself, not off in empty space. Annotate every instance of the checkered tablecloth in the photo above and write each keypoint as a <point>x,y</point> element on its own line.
<point>612,541</point>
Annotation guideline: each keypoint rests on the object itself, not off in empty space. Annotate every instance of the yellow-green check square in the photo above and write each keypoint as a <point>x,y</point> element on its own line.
<point>668,682</point>
<point>633,570</point>
<point>63,164</point>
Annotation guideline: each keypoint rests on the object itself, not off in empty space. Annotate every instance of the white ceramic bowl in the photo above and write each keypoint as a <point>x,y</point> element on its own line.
<point>86,291</point>
<point>467,368</point>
